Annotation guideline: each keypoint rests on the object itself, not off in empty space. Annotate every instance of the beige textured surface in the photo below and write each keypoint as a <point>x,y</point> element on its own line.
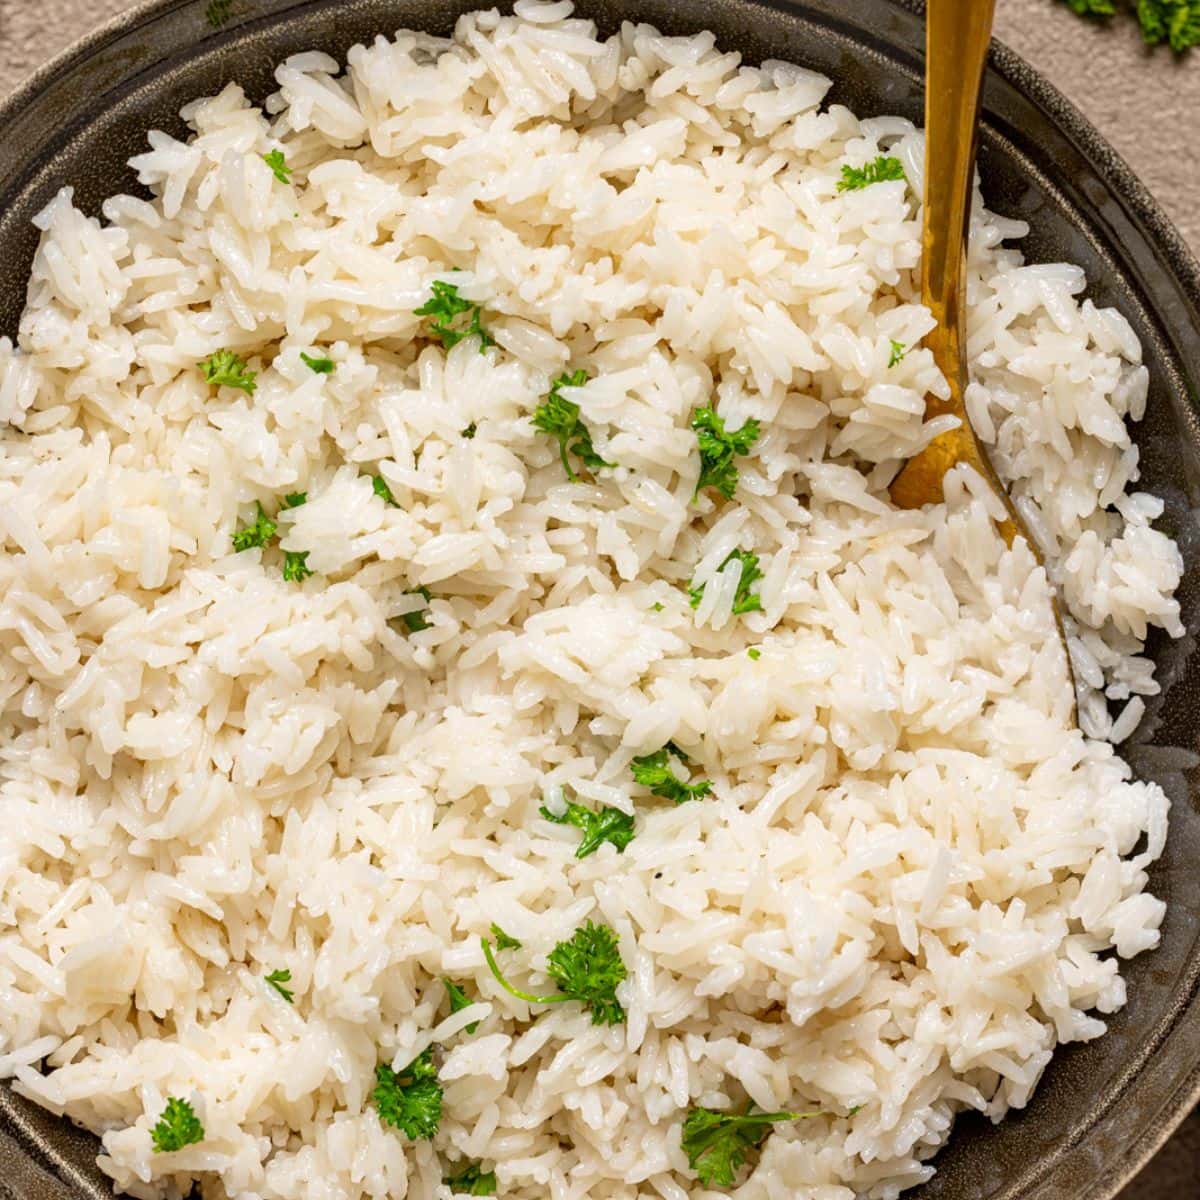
<point>1146,103</point>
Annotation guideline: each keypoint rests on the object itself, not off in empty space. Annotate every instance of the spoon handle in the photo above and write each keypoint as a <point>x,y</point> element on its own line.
<point>957,36</point>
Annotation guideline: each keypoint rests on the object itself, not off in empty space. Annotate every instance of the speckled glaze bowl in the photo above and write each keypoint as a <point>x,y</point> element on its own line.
<point>1103,1108</point>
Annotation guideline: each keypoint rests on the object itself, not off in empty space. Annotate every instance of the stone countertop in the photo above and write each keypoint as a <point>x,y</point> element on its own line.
<point>1145,102</point>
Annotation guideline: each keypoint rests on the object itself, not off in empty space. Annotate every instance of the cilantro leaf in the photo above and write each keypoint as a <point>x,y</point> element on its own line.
<point>607,825</point>
<point>718,449</point>
<point>474,1181</point>
<point>322,366</point>
<point>257,534</point>
<point>223,368</point>
<point>716,1143</point>
<point>587,967</point>
<point>458,1001</point>
<point>445,306</point>
<point>559,418</point>
<point>409,1100</point>
<point>654,771</point>
<point>744,600</point>
<point>178,1126</point>
<point>295,566</point>
<point>278,164</point>
<point>504,941</point>
<point>899,350</point>
<point>277,979</point>
<point>1176,22</point>
<point>380,487</point>
<point>884,168</point>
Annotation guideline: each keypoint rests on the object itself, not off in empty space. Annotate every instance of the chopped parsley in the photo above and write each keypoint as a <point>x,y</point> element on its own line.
<point>718,448</point>
<point>716,1143</point>
<point>458,1001</point>
<point>414,622</point>
<point>409,1100</point>
<point>884,168</point>
<point>474,1181</point>
<point>504,941</point>
<point>607,825</point>
<point>559,418</point>
<point>470,431</point>
<point>294,500</point>
<point>257,534</point>
<point>654,771</point>
<point>223,368</point>
<point>380,487</point>
<point>587,967</point>
<point>899,350</point>
<point>277,979</point>
<point>445,307</point>
<point>178,1126</point>
<point>295,566</point>
<point>754,653</point>
<point>744,600</point>
<point>278,164</point>
<point>322,366</point>
<point>1176,22</point>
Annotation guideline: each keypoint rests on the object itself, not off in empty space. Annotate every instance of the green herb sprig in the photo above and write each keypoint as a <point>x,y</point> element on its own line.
<point>559,417</point>
<point>277,979</point>
<point>881,170</point>
<point>716,1143</point>
<point>718,448</point>
<point>744,600</point>
<point>178,1126</point>
<point>654,771</point>
<point>1175,22</point>
<point>409,1100</point>
<point>474,1181</point>
<point>607,825</point>
<point>586,967</point>
<point>458,1001</point>
<point>224,368</point>
<point>445,307</point>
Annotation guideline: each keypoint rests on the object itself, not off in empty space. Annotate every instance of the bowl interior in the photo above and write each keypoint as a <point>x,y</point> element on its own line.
<point>1103,1107</point>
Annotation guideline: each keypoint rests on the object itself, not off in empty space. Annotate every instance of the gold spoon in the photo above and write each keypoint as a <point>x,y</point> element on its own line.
<point>957,35</point>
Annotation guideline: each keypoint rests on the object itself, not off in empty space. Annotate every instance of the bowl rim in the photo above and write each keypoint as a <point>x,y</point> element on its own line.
<point>1181,262</point>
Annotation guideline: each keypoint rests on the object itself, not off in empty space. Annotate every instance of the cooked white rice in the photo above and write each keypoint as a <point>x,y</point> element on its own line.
<point>903,891</point>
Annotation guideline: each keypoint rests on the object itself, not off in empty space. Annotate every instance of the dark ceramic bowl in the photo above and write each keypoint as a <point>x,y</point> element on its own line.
<point>1103,1108</point>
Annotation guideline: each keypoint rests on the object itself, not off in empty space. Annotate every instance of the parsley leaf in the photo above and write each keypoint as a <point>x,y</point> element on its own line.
<point>458,1001</point>
<point>257,534</point>
<point>278,164</point>
<point>294,500</point>
<point>504,941</point>
<point>899,350</point>
<point>414,622</point>
<point>470,431</point>
<point>474,1181</point>
<point>322,366</point>
<point>718,449</point>
<point>223,368</point>
<point>445,306</point>
<point>716,1143</point>
<point>277,979</point>
<point>654,771</point>
<point>178,1126</point>
<point>884,168</point>
<point>410,1100</point>
<point>559,418</point>
<point>607,825</point>
<point>744,600</point>
<point>1176,22</point>
<point>380,487</point>
<point>295,566</point>
<point>754,654</point>
<point>587,967</point>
